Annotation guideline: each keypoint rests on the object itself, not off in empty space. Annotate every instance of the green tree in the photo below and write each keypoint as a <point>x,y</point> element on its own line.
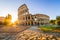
<point>52,22</point>
<point>58,20</point>
<point>8,19</point>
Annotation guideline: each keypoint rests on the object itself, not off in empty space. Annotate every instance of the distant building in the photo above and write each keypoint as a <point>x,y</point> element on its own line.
<point>2,19</point>
<point>28,19</point>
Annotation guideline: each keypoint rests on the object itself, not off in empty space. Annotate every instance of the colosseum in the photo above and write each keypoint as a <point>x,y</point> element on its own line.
<point>25,18</point>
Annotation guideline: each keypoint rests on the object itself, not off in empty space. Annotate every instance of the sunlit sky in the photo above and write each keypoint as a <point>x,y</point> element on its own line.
<point>48,7</point>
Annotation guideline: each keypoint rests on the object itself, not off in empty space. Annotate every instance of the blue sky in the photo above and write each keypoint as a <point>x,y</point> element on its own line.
<point>48,7</point>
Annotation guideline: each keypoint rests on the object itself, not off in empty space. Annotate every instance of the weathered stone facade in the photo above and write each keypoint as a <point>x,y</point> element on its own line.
<point>28,19</point>
<point>22,10</point>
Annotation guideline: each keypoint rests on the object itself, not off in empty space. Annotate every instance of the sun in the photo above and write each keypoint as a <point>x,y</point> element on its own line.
<point>13,19</point>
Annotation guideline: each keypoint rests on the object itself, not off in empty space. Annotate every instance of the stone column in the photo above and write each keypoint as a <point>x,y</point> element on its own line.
<point>27,17</point>
<point>33,23</point>
<point>30,17</point>
<point>30,22</point>
<point>27,23</point>
<point>39,22</point>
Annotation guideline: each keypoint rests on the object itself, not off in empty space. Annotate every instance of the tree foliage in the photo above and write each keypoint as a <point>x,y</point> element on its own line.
<point>58,20</point>
<point>52,22</point>
<point>8,19</point>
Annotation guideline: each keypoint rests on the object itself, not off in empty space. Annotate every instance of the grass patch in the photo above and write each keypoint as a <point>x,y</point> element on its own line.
<point>48,28</point>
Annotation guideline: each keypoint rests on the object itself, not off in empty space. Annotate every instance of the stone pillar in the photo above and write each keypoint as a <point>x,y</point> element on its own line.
<point>39,22</point>
<point>30,22</point>
<point>24,23</point>
<point>33,23</point>
<point>27,17</point>
<point>30,17</point>
<point>27,23</point>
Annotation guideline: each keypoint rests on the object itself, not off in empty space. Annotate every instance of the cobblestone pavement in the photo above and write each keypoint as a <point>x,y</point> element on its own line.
<point>32,35</point>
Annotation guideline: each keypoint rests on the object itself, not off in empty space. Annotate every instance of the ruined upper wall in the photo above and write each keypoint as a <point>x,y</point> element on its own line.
<point>23,10</point>
<point>24,6</point>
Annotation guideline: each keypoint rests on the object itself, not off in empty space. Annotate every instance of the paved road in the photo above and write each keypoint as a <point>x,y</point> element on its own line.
<point>7,34</point>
